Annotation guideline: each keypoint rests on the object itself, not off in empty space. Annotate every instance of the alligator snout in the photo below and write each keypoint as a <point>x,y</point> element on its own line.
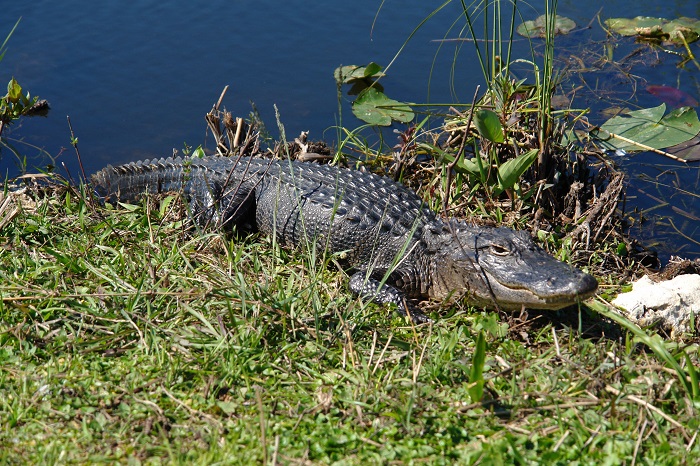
<point>575,283</point>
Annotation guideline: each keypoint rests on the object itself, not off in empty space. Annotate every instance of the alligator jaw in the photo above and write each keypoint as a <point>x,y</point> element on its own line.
<point>512,298</point>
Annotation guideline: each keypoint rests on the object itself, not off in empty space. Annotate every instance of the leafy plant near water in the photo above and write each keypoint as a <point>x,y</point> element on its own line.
<point>650,129</point>
<point>372,105</point>
<point>15,103</point>
<point>500,156</point>
<point>494,168</point>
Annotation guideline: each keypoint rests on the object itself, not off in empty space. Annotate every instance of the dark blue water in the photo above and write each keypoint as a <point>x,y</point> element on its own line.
<point>137,78</point>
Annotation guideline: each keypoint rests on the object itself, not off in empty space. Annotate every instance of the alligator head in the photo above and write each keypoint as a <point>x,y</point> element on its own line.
<point>503,266</point>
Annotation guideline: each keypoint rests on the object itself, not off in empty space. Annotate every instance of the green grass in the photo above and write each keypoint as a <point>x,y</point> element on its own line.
<point>125,337</point>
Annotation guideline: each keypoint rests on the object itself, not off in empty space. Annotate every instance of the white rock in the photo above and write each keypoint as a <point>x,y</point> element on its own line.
<point>668,304</point>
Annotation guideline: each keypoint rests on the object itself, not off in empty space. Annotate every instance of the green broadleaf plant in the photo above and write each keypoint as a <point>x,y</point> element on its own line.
<point>649,128</point>
<point>510,172</point>
<point>489,125</point>
<point>678,31</point>
<point>349,73</point>
<point>538,27</point>
<point>374,107</point>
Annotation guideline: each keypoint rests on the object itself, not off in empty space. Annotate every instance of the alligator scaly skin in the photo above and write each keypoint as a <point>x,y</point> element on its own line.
<point>382,229</point>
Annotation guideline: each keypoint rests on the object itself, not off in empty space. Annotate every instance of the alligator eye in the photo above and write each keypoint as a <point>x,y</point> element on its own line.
<point>499,250</point>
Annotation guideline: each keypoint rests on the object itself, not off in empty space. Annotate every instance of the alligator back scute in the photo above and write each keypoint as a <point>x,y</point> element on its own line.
<point>297,201</point>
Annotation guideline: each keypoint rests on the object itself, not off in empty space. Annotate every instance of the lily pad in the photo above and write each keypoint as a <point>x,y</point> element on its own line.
<point>649,128</point>
<point>688,151</point>
<point>657,29</point>
<point>349,73</point>
<point>629,26</point>
<point>376,108</point>
<point>537,28</point>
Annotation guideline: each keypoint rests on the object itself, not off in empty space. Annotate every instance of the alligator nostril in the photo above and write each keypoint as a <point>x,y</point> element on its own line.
<point>588,284</point>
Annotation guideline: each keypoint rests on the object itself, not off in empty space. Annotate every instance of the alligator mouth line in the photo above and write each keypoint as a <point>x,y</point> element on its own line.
<point>514,297</point>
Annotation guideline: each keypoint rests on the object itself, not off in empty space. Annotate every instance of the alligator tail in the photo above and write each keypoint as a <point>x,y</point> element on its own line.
<point>131,181</point>
<point>214,192</point>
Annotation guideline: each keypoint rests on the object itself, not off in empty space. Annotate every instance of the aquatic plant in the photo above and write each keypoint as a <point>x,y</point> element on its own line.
<point>15,103</point>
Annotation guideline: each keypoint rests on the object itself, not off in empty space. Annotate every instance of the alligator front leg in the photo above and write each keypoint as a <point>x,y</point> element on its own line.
<point>369,288</point>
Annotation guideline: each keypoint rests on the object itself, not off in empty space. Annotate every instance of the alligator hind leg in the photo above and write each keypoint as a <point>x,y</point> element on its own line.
<point>370,288</point>
<point>214,204</point>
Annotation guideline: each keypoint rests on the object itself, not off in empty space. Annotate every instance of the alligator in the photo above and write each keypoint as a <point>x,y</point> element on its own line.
<point>397,247</point>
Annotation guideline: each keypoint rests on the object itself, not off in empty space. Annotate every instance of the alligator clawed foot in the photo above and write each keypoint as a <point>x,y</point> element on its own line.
<point>419,318</point>
<point>414,314</point>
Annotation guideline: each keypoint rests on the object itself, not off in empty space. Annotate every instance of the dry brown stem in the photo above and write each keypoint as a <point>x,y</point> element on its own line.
<point>234,137</point>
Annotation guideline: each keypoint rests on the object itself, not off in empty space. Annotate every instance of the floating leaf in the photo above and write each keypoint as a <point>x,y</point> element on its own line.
<point>657,29</point>
<point>349,73</point>
<point>633,121</point>
<point>648,128</point>
<point>376,108</point>
<point>688,151</point>
<point>489,125</point>
<point>682,30</point>
<point>672,96</point>
<point>538,27</point>
<point>630,26</point>
<point>372,70</point>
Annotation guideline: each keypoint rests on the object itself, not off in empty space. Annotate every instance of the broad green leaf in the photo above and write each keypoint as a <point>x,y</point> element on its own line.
<point>489,125</point>
<point>689,28</point>
<point>165,204</point>
<point>199,152</point>
<point>676,31</point>
<point>634,121</point>
<point>344,74</point>
<point>538,27</point>
<point>349,73</point>
<point>14,90</point>
<point>629,26</point>
<point>510,172</point>
<point>376,108</point>
<point>647,128</point>
<point>371,70</point>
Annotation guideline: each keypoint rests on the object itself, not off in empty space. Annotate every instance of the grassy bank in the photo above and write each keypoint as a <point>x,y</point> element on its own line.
<point>125,337</point>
